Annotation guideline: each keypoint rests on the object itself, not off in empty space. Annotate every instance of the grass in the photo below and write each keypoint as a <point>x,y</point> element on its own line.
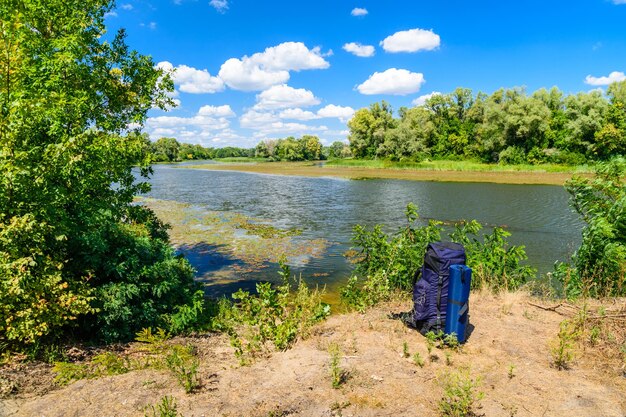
<point>241,159</point>
<point>452,165</point>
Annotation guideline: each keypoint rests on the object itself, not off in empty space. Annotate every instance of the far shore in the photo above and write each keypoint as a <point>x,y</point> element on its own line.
<point>315,169</point>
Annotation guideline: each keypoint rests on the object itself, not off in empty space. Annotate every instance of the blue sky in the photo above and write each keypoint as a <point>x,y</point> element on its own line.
<point>252,70</point>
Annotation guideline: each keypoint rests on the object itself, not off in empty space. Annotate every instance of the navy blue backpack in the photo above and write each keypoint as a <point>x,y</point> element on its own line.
<point>430,292</point>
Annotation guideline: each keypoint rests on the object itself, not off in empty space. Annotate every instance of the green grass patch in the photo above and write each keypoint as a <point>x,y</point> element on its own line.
<point>241,159</point>
<point>450,165</point>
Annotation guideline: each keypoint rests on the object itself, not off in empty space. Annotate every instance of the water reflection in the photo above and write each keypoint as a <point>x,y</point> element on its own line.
<point>538,216</point>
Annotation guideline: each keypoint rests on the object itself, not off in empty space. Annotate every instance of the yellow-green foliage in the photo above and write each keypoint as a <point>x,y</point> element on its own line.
<point>460,394</point>
<point>104,364</point>
<point>337,374</point>
<point>562,348</point>
<point>166,408</point>
<point>276,315</point>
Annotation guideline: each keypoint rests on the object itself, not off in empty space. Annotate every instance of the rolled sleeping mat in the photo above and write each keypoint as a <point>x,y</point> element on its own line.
<point>457,310</point>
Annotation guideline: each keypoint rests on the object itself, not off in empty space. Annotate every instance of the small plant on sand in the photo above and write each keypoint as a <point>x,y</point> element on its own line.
<point>337,374</point>
<point>431,339</point>
<point>165,408</point>
<point>68,372</point>
<point>183,363</point>
<point>103,364</point>
<point>460,394</point>
<point>562,348</point>
<point>405,349</point>
<point>418,360</point>
<point>451,341</point>
<point>511,372</point>
<point>152,342</point>
<point>448,355</point>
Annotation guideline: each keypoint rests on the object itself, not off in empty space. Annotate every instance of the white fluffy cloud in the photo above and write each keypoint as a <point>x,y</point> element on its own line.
<point>127,6</point>
<point>219,5</point>
<point>282,97</point>
<point>331,110</point>
<point>297,114</point>
<point>191,80</point>
<point>357,49</point>
<point>359,11</point>
<point>267,123</point>
<point>613,77</point>
<point>619,1</point>
<point>290,56</point>
<point>245,75</point>
<point>421,100</point>
<point>412,40</point>
<point>270,67</point>
<point>216,111</point>
<point>253,119</point>
<point>203,124</point>
<point>393,81</point>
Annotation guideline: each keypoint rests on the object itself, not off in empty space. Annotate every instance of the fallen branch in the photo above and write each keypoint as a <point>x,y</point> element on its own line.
<point>608,316</point>
<point>553,308</point>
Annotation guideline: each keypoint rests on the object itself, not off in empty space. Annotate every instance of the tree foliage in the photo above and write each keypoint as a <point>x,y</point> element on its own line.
<point>74,250</point>
<point>509,127</point>
<point>306,148</point>
<point>600,261</point>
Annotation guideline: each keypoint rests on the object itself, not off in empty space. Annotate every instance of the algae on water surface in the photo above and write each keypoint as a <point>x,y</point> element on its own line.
<point>227,247</point>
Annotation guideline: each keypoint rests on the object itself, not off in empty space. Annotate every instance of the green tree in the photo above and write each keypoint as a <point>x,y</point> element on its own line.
<point>584,114</point>
<point>166,149</point>
<point>312,148</point>
<point>74,250</point>
<point>368,128</point>
<point>335,148</point>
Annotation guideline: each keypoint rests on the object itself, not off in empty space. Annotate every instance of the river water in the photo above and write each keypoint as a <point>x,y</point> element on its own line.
<point>538,216</point>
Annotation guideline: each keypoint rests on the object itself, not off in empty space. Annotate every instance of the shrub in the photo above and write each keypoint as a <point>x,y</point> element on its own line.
<point>276,315</point>
<point>460,395</point>
<point>599,264</point>
<point>389,262</point>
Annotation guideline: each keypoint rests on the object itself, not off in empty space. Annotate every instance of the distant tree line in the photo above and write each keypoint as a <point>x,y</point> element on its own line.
<point>306,148</point>
<point>170,150</point>
<point>509,126</point>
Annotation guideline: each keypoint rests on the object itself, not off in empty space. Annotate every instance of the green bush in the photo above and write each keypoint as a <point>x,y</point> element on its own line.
<point>75,252</point>
<point>276,315</point>
<point>389,262</point>
<point>599,264</point>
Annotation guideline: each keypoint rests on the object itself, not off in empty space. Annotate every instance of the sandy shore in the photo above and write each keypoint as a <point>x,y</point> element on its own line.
<point>307,169</point>
<point>508,352</point>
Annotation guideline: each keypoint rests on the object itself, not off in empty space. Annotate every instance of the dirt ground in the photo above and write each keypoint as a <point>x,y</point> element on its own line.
<point>508,349</point>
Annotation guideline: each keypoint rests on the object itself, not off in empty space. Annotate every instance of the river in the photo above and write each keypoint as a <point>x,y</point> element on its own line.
<point>538,216</point>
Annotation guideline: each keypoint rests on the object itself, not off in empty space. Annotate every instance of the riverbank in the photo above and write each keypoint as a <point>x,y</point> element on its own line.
<point>508,355</point>
<point>446,171</point>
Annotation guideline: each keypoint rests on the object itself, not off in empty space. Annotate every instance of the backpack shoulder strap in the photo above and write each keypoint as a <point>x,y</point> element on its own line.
<point>417,274</point>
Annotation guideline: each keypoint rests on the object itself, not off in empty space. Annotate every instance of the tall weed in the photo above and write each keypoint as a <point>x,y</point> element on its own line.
<point>388,262</point>
<point>274,316</point>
